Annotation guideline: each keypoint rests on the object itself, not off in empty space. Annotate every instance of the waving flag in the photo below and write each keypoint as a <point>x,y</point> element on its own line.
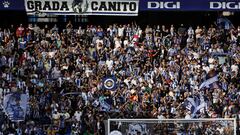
<point>195,104</point>
<point>109,83</point>
<point>15,106</point>
<point>104,106</point>
<point>224,23</point>
<point>208,83</point>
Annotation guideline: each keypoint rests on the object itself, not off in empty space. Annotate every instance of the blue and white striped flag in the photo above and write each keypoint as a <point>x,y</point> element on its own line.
<point>208,82</point>
<point>104,106</point>
<point>195,104</point>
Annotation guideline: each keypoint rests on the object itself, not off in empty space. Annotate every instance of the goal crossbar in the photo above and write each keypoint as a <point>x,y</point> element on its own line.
<point>173,120</point>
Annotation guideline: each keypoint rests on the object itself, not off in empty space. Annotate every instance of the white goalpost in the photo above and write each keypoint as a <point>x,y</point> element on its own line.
<point>172,126</point>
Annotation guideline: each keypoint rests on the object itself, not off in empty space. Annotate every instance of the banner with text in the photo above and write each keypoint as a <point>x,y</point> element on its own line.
<point>83,7</point>
<point>116,7</point>
<point>190,5</point>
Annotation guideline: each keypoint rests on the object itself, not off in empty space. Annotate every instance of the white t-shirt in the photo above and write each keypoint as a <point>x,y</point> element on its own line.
<point>125,42</point>
<point>234,68</point>
<point>220,129</point>
<point>206,68</point>
<point>190,31</point>
<point>56,116</point>
<point>78,115</point>
<point>120,32</point>
<point>109,63</point>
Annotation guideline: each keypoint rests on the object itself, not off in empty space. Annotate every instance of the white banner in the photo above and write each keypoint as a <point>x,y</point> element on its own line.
<point>15,106</point>
<point>83,7</point>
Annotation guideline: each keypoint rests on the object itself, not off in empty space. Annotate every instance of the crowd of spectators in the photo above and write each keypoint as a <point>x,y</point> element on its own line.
<point>157,69</point>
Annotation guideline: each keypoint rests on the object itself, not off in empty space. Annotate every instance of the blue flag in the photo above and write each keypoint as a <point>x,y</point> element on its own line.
<point>109,83</point>
<point>224,23</point>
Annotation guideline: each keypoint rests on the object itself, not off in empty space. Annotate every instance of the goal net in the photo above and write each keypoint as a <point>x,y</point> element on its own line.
<point>172,126</point>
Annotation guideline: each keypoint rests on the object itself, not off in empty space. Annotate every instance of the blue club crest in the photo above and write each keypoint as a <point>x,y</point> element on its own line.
<point>109,83</point>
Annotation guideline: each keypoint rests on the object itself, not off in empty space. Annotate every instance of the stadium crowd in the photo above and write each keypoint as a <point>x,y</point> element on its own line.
<point>157,69</point>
